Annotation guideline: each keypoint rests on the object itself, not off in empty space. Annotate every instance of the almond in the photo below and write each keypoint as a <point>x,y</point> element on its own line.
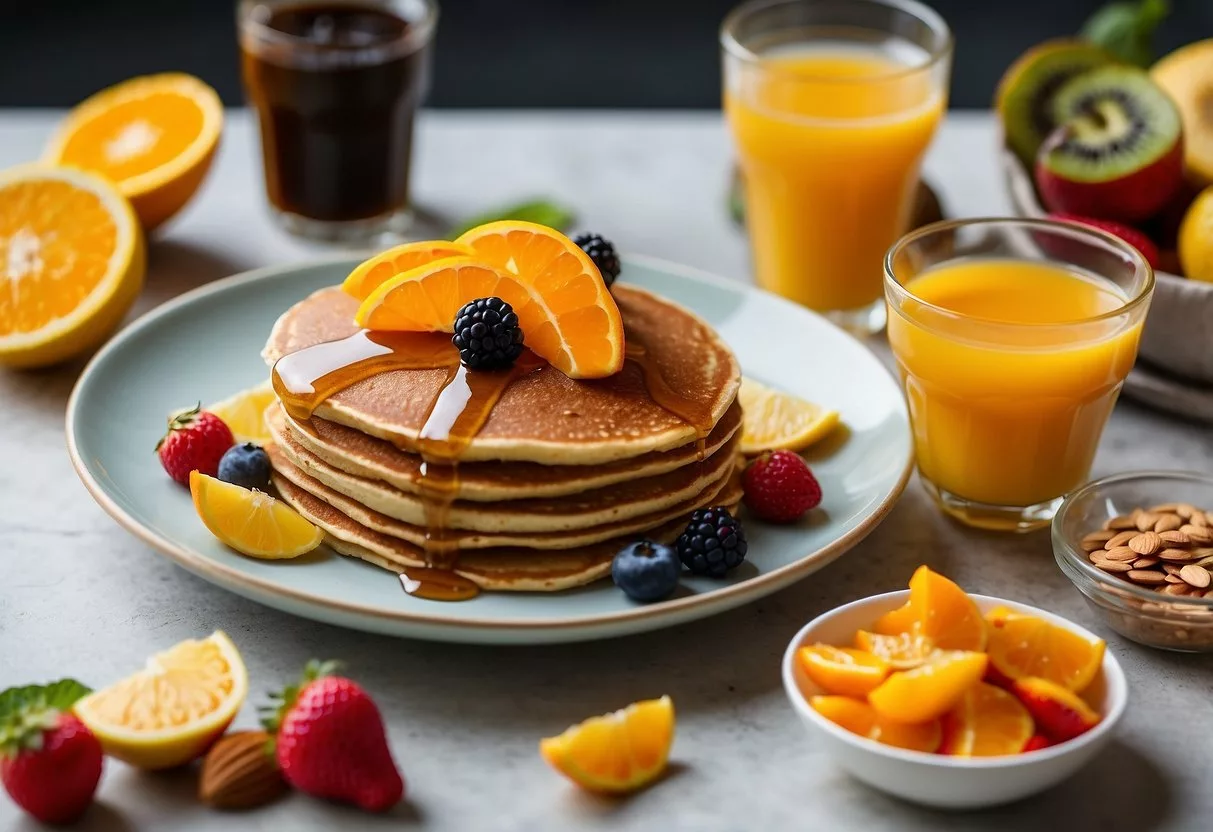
<point>1121,523</point>
<point>1168,522</point>
<point>1175,537</point>
<point>240,772</point>
<point>1120,539</point>
<point>1146,543</point>
<point>1145,520</point>
<point>1196,576</point>
<point>1096,540</point>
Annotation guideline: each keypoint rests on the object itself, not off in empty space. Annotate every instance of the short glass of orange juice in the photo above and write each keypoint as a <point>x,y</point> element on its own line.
<point>832,104</point>
<point>1013,338</point>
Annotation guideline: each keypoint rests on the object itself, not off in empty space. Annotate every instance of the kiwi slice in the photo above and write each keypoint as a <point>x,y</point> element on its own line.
<point>1025,94</point>
<point>1117,121</point>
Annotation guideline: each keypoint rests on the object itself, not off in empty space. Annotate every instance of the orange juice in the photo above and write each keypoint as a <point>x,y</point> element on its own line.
<point>1006,414</point>
<point>830,141</point>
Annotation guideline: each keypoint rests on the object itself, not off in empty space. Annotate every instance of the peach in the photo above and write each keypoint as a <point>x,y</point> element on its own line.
<point>1059,713</point>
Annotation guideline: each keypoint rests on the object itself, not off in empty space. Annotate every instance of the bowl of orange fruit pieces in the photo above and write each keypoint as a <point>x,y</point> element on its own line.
<point>950,699</point>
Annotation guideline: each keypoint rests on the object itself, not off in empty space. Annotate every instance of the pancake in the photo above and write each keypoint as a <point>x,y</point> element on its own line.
<point>365,456</point>
<point>544,416</point>
<point>499,569</point>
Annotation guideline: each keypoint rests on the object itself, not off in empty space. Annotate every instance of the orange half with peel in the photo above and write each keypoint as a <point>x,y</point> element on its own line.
<point>616,753</point>
<point>372,273</point>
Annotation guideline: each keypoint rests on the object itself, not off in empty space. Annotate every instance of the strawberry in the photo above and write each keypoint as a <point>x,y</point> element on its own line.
<point>50,762</point>
<point>330,742</point>
<point>1036,742</point>
<point>1130,235</point>
<point>196,440</point>
<point>779,487</point>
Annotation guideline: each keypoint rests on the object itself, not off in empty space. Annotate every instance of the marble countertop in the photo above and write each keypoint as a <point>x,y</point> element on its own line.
<point>81,597</point>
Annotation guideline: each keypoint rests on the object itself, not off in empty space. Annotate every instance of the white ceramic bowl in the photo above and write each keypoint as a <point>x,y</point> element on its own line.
<point>936,779</point>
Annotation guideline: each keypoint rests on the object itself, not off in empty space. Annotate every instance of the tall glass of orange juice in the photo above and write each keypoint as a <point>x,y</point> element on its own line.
<point>1013,338</point>
<point>832,104</point>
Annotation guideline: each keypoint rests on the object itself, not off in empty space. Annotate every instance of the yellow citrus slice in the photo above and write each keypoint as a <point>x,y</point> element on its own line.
<point>382,267</point>
<point>251,522</point>
<point>71,263</point>
<point>244,413</point>
<point>171,711</point>
<point>1196,238</point>
<point>930,690</point>
<point>153,137</point>
<point>775,421</point>
<point>616,753</point>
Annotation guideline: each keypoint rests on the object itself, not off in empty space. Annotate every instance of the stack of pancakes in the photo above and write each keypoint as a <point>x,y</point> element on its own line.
<point>561,474</point>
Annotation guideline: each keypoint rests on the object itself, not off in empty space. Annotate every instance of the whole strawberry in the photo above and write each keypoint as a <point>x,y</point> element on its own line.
<point>50,762</point>
<point>330,741</point>
<point>779,487</point>
<point>196,440</point>
<point>1127,233</point>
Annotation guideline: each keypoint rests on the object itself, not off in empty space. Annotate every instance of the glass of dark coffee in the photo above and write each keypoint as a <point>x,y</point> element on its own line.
<point>335,85</point>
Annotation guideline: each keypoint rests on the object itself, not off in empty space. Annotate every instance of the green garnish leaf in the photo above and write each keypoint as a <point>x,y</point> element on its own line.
<point>1126,29</point>
<point>27,711</point>
<point>541,211</point>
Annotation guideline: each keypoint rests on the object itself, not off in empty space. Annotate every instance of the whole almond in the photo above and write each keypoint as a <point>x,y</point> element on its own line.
<point>1178,555</point>
<point>1096,540</point>
<point>1164,508</point>
<point>1173,578</point>
<point>1146,543</point>
<point>1121,538</point>
<point>1196,576</point>
<point>1177,589</point>
<point>1174,537</point>
<point>239,772</point>
<point>1145,563</point>
<point>1171,569</point>
<point>1185,510</point>
<point>1122,553</point>
<point>1146,576</point>
<point>1197,534</point>
<point>1145,520</point>
<point>1113,565</point>
<point>1121,523</point>
<point>1168,522</point>
<point>1199,518</point>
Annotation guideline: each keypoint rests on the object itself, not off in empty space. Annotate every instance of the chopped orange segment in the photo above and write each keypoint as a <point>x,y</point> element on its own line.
<point>1024,645</point>
<point>904,651</point>
<point>616,753</point>
<point>945,613</point>
<point>252,523</point>
<point>171,711</point>
<point>71,263</point>
<point>382,267</point>
<point>842,670</point>
<point>986,722</point>
<point>860,718</point>
<point>896,622</point>
<point>153,137</point>
<point>930,690</point>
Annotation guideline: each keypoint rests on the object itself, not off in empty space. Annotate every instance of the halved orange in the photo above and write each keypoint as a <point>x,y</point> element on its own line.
<point>616,753</point>
<point>71,263</point>
<point>986,722</point>
<point>929,690</point>
<point>1024,645</point>
<point>251,522</point>
<point>428,298</point>
<point>860,718</point>
<point>171,711</point>
<point>382,267</point>
<point>842,670</point>
<point>903,651</point>
<point>153,137</point>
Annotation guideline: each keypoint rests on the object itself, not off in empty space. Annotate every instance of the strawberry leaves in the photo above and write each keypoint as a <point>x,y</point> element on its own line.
<point>26,712</point>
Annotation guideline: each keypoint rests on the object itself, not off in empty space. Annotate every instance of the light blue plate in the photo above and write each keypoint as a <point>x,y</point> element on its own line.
<point>206,345</point>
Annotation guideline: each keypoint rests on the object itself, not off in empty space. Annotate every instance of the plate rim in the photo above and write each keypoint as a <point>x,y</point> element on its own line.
<point>727,597</point>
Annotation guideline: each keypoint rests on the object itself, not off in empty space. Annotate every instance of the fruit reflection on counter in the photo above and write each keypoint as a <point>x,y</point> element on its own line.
<point>938,677</point>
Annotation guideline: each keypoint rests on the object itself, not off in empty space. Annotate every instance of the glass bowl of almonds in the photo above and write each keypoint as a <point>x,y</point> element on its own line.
<point>1139,547</point>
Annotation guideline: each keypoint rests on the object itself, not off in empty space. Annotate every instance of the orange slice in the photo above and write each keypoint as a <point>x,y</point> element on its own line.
<point>428,298</point>
<point>382,267</point>
<point>896,622</point>
<point>1024,645</point>
<point>71,263</point>
<point>986,722</point>
<point>171,711</point>
<point>153,137</point>
<point>616,753</point>
<point>903,651</point>
<point>244,413</point>
<point>842,670</point>
<point>945,613</point>
<point>930,690</point>
<point>568,281</point>
<point>252,523</point>
<point>774,420</point>
<point>860,718</point>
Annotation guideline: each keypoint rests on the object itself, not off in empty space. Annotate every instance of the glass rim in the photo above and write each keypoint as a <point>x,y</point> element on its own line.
<point>931,18</point>
<point>417,35</point>
<point>1140,267</point>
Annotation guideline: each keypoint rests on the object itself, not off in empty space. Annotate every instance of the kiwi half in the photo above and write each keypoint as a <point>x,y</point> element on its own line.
<point>1025,93</point>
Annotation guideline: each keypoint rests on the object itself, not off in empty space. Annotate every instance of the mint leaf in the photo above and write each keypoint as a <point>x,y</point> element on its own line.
<point>1126,29</point>
<point>542,211</point>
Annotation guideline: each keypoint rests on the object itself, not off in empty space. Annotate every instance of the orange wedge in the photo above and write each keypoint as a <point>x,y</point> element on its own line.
<point>616,753</point>
<point>252,523</point>
<point>945,613</point>
<point>903,651</point>
<point>153,137</point>
<point>860,718</point>
<point>898,621</point>
<point>71,263</point>
<point>1023,645</point>
<point>986,722</point>
<point>930,690</point>
<point>842,670</point>
<point>380,268</point>
<point>171,711</point>
<point>428,298</point>
<point>774,420</point>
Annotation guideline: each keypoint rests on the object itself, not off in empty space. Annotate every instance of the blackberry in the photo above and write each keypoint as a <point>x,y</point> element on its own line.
<point>602,252</point>
<point>713,543</point>
<point>487,334</point>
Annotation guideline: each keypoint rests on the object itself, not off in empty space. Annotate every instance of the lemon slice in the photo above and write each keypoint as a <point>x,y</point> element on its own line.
<point>171,711</point>
<point>775,421</point>
<point>616,753</point>
<point>251,522</point>
<point>244,413</point>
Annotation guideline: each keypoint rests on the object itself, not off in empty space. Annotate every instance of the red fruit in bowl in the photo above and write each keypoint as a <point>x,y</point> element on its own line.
<point>780,487</point>
<point>1059,712</point>
<point>196,440</point>
<point>1117,153</point>
<point>1038,742</point>
<point>1130,235</point>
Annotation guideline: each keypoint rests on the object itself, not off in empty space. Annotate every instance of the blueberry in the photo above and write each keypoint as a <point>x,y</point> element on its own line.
<point>646,571</point>
<point>246,465</point>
